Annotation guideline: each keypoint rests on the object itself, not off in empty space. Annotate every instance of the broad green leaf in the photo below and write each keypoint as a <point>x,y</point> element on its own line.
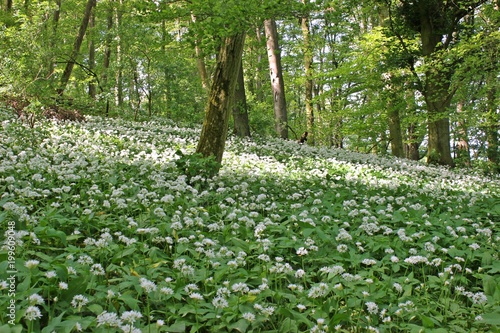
<point>178,327</point>
<point>240,326</point>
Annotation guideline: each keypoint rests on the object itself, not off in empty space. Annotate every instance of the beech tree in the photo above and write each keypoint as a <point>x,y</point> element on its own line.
<point>221,97</point>
<point>76,47</point>
<point>276,74</point>
<point>410,78</point>
<point>438,24</point>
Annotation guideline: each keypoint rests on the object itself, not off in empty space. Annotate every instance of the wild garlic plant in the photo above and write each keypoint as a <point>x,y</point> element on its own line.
<point>110,236</point>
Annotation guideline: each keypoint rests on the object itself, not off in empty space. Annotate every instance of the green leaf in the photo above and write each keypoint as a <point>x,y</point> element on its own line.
<point>489,285</point>
<point>124,253</point>
<point>427,321</point>
<point>177,328</point>
<point>438,330</point>
<point>11,329</point>
<point>491,318</point>
<point>131,302</point>
<point>75,287</point>
<point>288,325</point>
<point>95,308</point>
<point>54,323</point>
<point>241,325</point>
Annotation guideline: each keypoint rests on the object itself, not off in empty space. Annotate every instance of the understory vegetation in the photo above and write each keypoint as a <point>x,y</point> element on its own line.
<point>117,229</point>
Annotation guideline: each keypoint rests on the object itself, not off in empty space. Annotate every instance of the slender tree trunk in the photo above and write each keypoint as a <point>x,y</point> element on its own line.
<point>107,55</point>
<point>92,86</point>
<point>76,47</point>
<point>200,61</point>
<point>258,80</point>
<point>396,136</point>
<point>8,6</point>
<point>240,109</point>
<point>166,91</point>
<point>221,97</point>
<point>463,151</point>
<point>492,125</point>
<point>149,93</point>
<point>308,60</point>
<point>135,90</point>
<point>277,84</point>
<point>119,71</point>
<point>52,42</point>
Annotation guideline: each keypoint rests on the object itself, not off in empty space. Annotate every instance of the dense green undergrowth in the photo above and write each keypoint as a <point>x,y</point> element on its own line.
<point>114,233</point>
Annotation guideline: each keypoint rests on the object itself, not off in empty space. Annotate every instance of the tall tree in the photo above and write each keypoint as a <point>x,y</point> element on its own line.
<point>438,23</point>
<point>200,61</point>
<point>240,108</point>
<point>221,97</point>
<point>119,54</point>
<point>107,53</point>
<point>276,74</point>
<point>308,60</point>
<point>76,47</point>
<point>92,83</point>
<point>52,42</point>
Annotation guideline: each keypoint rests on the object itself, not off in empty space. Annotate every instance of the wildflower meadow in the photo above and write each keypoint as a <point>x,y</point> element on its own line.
<point>106,226</point>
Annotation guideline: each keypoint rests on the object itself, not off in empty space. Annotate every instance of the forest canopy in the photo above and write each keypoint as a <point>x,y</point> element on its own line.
<point>413,79</point>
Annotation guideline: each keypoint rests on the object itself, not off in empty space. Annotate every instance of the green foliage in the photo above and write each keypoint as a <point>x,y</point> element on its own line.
<point>287,238</point>
<point>364,66</point>
<point>196,166</point>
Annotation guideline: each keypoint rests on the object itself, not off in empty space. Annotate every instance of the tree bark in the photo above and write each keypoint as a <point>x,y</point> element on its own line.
<point>221,97</point>
<point>277,84</point>
<point>413,145</point>
<point>463,151</point>
<point>92,86</point>
<point>119,65</point>
<point>436,92</point>
<point>240,109</point>
<point>107,55</point>
<point>492,125</point>
<point>395,135</point>
<point>308,60</point>
<point>55,23</point>
<point>200,61</point>
<point>76,47</point>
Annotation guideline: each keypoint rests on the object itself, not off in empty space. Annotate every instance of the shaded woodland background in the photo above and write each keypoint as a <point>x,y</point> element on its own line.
<point>415,79</point>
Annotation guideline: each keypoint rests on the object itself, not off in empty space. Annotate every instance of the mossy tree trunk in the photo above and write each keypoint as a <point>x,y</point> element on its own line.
<point>240,108</point>
<point>221,97</point>
<point>395,134</point>
<point>436,88</point>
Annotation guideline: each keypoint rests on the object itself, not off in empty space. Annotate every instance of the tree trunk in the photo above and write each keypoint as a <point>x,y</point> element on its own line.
<point>76,47</point>
<point>395,134</point>
<point>92,86</point>
<point>308,60</point>
<point>463,151</point>
<point>119,71</point>
<point>277,84</point>
<point>240,109</point>
<point>200,61</point>
<point>492,125</point>
<point>260,67</point>
<point>413,145</point>
<point>436,90</point>
<point>221,97</point>
<point>107,55</point>
<point>52,42</point>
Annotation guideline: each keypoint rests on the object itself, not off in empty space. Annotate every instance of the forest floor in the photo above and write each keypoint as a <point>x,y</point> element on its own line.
<point>111,235</point>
